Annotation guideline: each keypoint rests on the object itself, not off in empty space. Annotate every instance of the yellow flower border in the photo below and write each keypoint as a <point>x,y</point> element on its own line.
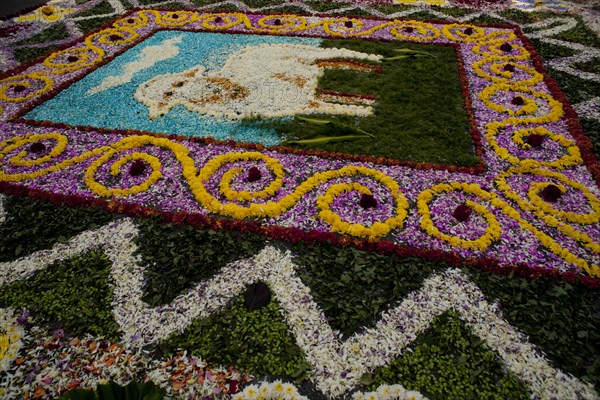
<point>494,229</point>
<point>571,158</point>
<point>529,106</point>
<point>115,168</point>
<point>13,81</point>
<point>492,232</point>
<point>497,65</point>
<point>549,214</point>
<point>19,159</point>
<point>197,180</point>
<point>376,230</point>
<point>225,185</point>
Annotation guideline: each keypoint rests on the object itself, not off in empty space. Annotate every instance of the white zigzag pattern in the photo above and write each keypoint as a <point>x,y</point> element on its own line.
<point>2,212</point>
<point>337,365</point>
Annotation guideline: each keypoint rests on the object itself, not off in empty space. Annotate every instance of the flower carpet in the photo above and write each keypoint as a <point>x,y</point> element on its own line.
<point>301,200</point>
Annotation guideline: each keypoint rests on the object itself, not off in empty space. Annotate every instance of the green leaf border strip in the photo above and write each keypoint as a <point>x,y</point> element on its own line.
<point>327,354</point>
<point>112,390</point>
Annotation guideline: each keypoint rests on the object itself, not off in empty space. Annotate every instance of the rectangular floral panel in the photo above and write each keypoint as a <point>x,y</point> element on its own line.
<point>91,124</point>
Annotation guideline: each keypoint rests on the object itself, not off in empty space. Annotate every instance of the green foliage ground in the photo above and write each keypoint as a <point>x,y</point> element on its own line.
<point>257,341</point>
<point>53,299</point>
<point>420,113</point>
<point>564,320</point>
<point>448,362</point>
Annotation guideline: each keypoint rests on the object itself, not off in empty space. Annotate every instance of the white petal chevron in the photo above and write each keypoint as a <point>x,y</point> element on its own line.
<point>2,209</point>
<point>588,109</point>
<point>566,64</point>
<point>80,244</point>
<point>553,26</point>
<point>336,365</point>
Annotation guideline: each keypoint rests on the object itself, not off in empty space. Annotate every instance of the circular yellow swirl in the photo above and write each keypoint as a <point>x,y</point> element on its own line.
<point>25,81</point>
<point>572,156</point>
<point>425,32</point>
<point>59,62</point>
<point>225,185</point>
<point>227,20</point>
<point>501,76</point>
<point>175,18</point>
<point>115,169</point>
<point>288,23</point>
<point>492,232</point>
<point>498,37</point>
<point>376,230</point>
<point>545,211</point>
<point>136,21</point>
<point>271,209</point>
<point>494,51</point>
<point>455,33</point>
<point>12,144</point>
<point>529,106</point>
<point>337,27</point>
<point>19,159</point>
<point>126,35</point>
<point>584,219</point>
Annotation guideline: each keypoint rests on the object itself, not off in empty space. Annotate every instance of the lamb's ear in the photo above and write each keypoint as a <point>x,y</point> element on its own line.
<point>198,70</point>
<point>158,109</point>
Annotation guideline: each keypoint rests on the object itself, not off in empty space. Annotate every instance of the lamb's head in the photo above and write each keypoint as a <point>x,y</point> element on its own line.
<point>190,88</point>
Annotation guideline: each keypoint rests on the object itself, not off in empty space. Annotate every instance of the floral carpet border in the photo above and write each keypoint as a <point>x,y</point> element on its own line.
<point>473,130</point>
<point>382,160</point>
<point>534,152</point>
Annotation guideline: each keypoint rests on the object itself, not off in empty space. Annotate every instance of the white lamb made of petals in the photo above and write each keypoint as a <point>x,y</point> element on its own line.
<point>268,80</point>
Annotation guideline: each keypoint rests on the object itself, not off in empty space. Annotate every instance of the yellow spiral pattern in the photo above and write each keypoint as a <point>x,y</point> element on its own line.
<point>115,170</point>
<point>26,80</point>
<point>227,21</point>
<point>456,33</point>
<point>571,157</point>
<point>494,229</point>
<point>280,23</point>
<point>544,211</point>
<point>492,232</point>
<point>19,159</point>
<point>424,32</point>
<point>225,185</point>
<point>197,180</point>
<point>498,75</point>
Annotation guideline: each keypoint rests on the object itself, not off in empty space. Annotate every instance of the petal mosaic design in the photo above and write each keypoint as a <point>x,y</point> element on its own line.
<point>531,207</point>
<point>510,102</point>
<point>337,365</point>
